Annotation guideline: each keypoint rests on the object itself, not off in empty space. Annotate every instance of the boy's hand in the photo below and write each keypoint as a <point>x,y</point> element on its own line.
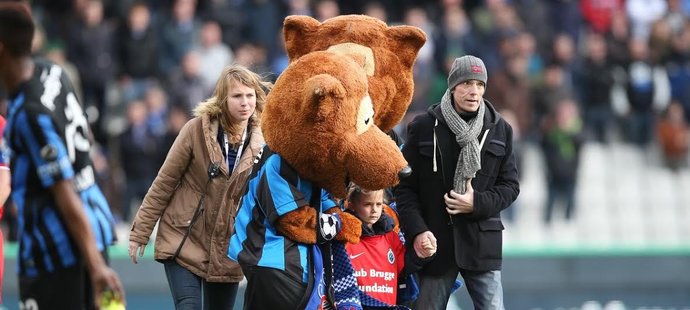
<point>425,244</point>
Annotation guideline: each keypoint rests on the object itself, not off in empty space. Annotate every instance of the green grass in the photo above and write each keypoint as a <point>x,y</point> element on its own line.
<point>592,250</point>
<point>119,251</point>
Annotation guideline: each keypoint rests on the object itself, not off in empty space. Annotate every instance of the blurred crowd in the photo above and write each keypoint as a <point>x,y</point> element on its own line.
<point>563,72</point>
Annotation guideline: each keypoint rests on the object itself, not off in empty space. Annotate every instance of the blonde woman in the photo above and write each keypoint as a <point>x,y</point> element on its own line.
<point>197,191</point>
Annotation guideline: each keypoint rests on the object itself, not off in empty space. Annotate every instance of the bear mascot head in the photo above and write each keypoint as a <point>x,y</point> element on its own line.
<point>390,53</point>
<point>319,117</point>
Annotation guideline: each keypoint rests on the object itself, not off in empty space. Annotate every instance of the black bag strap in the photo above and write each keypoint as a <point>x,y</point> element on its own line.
<point>213,171</point>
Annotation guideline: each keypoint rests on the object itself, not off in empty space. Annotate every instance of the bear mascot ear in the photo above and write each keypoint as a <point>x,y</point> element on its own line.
<point>295,29</point>
<point>409,40</point>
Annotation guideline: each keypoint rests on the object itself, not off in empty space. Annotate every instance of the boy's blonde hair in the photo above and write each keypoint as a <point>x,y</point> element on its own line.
<point>355,191</point>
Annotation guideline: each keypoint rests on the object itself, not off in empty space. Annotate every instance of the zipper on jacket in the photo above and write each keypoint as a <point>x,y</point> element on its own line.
<point>435,168</point>
<point>434,160</point>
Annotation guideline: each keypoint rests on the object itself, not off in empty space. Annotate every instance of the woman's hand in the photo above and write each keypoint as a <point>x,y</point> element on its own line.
<point>133,247</point>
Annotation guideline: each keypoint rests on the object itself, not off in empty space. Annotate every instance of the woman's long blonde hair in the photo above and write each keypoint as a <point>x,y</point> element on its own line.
<point>244,76</point>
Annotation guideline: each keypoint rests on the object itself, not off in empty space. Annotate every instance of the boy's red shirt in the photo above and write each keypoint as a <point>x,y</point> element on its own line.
<point>378,260</point>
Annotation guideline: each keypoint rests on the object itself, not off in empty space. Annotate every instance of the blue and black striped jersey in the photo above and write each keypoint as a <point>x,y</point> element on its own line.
<point>273,190</point>
<point>48,138</point>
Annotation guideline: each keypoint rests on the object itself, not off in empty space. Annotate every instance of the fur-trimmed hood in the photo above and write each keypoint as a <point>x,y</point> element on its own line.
<point>208,108</point>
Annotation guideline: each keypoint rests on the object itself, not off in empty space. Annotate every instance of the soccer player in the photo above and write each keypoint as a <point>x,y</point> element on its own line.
<point>65,224</point>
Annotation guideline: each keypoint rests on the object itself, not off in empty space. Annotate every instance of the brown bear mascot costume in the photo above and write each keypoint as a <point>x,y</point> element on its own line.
<point>349,78</point>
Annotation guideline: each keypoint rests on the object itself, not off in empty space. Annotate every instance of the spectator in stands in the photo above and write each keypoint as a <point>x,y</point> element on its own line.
<point>138,146</point>
<point>177,117</point>
<point>548,94</point>
<point>463,175</point>
<point>598,14</point>
<point>596,84</point>
<point>424,66</point>
<point>234,18</point>
<point>642,14</point>
<point>677,15</point>
<point>500,24</point>
<point>563,53</point>
<point>194,197</point>
<point>660,42</point>
<point>679,69</point>
<point>673,133</point>
<point>455,37</point>
<point>527,48</point>
<point>532,15</point>
<point>186,87</point>
<point>561,144</point>
<point>178,34</point>
<point>617,39</point>
<point>510,89</point>
<point>325,9</point>
<point>299,7</point>
<point>376,9</point>
<point>254,57</point>
<point>565,17</point>
<point>157,105</point>
<point>647,93</point>
<point>214,55</point>
<point>265,25</point>
<point>137,52</point>
<point>91,48</point>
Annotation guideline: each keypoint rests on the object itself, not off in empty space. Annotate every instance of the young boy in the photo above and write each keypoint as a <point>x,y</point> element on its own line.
<point>379,258</point>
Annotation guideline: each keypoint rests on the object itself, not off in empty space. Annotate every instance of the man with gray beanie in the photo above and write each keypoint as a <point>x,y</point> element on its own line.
<point>463,175</point>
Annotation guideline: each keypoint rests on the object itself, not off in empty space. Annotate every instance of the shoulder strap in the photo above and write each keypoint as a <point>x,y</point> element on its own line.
<point>258,162</point>
<point>315,202</point>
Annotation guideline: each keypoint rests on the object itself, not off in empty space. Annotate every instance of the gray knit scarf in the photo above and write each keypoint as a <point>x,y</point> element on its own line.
<point>466,134</point>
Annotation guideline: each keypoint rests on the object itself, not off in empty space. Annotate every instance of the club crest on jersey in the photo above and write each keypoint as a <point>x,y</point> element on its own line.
<point>391,256</point>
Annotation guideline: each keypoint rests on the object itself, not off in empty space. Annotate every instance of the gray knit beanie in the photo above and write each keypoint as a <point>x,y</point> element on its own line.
<point>466,68</point>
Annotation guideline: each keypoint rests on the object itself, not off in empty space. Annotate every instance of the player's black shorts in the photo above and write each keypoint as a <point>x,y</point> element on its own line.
<point>68,288</point>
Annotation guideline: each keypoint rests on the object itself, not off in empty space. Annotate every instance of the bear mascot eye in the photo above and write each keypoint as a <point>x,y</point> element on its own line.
<point>365,116</point>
